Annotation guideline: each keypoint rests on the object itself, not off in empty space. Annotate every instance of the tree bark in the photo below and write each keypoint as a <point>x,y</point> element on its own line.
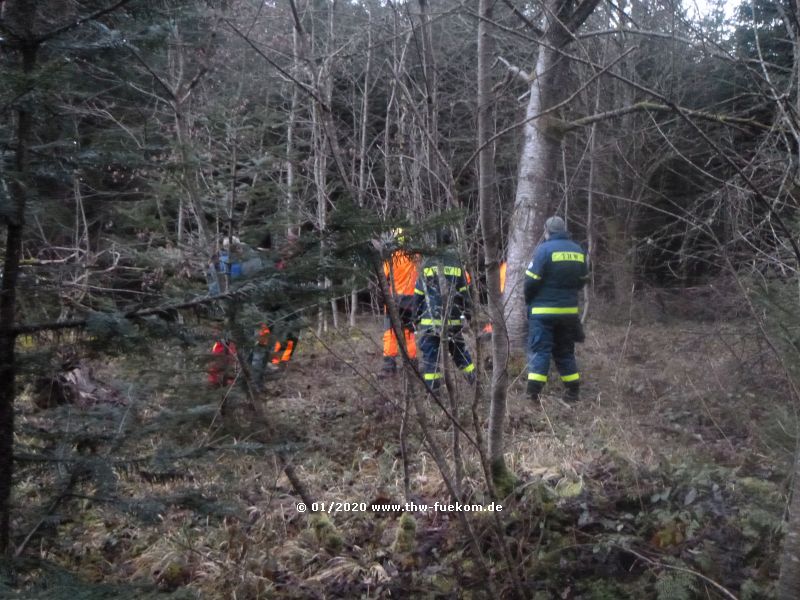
<point>188,172</point>
<point>590,243</point>
<point>362,154</point>
<point>789,579</point>
<point>292,208</point>
<point>429,142</point>
<point>537,187</point>
<point>490,226</point>
<point>538,190</point>
<point>621,213</point>
<point>15,223</point>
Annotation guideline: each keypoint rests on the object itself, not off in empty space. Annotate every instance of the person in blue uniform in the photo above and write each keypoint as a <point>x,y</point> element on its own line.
<point>553,279</point>
<point>443,304</point>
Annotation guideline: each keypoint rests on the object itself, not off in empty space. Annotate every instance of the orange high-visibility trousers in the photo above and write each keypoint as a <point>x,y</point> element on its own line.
<point>282,350</point>
<point>278,356</point>
<point>390,347</point>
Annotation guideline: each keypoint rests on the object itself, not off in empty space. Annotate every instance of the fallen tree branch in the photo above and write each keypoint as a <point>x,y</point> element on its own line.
<point>297,484</point>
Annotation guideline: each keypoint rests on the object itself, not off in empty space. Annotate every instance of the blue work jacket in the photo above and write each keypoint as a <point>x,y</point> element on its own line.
<point>555,276</point>
<point>236,267</point>
<point>437,307</point>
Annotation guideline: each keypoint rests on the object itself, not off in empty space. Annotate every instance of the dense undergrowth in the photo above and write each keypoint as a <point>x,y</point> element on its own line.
<point>668,481</point>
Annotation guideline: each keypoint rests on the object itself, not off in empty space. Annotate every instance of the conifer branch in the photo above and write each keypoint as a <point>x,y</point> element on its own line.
<point>94,16</point>
<point>239,293</point>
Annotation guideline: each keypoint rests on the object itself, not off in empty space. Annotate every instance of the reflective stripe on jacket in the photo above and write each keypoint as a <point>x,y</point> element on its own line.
<point>555,276</point>
<point>433,301</point>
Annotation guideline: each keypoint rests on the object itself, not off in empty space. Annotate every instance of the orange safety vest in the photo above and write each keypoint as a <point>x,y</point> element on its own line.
<point>404,269</point>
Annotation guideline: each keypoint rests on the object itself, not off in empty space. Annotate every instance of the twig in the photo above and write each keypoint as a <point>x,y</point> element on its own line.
<point>404,440</point>
<point>94,16</point>
<point>656,563</point>
<point>549,423</point>
<point>306,88</point>
<point>65,491</point>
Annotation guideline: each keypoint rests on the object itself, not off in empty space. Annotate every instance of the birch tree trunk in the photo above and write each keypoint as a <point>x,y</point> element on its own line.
<point>537,186</point>
<point>388,168</point>
<point>538,189</point>
<point>620,214</point>
<point>180,93</point>
<point>320,184</point>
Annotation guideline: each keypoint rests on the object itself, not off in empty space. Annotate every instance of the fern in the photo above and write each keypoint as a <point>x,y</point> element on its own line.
<point>676,586</point>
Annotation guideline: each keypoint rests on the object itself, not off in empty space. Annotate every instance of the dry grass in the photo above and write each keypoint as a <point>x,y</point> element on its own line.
<point>653,393</point>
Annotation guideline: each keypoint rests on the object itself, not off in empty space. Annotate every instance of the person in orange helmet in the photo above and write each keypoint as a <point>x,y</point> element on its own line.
<point>400,271</point>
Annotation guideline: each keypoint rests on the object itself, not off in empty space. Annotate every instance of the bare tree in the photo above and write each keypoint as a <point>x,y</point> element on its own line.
<point>490,227</point>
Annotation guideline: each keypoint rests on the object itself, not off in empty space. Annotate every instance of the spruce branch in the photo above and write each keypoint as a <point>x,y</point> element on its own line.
<point>92,17</point>
<point>241,293</point>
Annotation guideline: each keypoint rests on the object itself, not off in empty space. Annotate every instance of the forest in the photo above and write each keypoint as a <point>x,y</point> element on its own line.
<point>212,385</point>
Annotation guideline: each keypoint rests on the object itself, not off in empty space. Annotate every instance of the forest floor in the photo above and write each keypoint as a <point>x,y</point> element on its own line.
<point>667,481</point>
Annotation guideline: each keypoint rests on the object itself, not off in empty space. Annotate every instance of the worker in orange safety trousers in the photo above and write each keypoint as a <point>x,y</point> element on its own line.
<point>400,271</point>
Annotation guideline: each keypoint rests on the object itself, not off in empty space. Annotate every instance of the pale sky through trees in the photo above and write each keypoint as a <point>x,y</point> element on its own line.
<point>705,7</point>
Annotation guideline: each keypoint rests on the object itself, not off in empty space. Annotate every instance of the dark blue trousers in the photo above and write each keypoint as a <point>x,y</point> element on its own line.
<point>552,336</point>
<point>429,345</point>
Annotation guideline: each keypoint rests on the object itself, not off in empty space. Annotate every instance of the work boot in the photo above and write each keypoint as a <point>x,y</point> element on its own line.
<point>534,389</point>
<point>433,385</point>
<point>572,392</point>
